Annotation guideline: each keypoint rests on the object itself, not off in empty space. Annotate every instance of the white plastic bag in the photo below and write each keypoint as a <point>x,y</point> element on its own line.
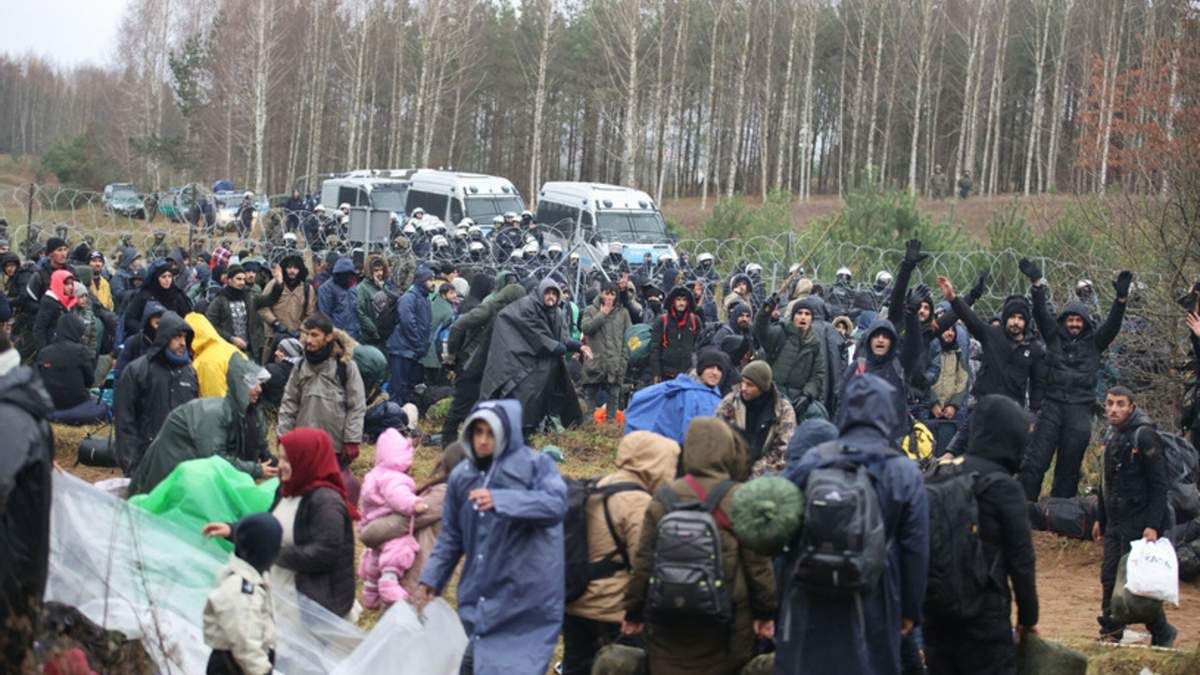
<point>1153,570</point>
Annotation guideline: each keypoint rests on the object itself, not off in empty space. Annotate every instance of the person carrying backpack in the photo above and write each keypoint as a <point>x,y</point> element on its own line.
<point>977,636</point>
<point>846,604</point>
<point>699,629</point>
<point>613,514</point>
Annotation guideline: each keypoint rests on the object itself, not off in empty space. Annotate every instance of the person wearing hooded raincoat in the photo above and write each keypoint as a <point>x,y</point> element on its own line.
<point>712,453</point>
<point>525,358</point>
<point>138,343</point>
<point>122,281</point>
<point>211,355</point>
<point>861,634</point>
<point>511,592</point>
<point>68,369</point>
<point>151,387</point>
<point>409,339</point>
<point>232,427</point>
<point>891,366</point>
<point>339,301</point>
<point>648,461</point>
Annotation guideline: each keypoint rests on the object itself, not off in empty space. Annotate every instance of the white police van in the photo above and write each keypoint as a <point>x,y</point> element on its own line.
<point>375,189</point>
<point>604,214</point>
<point>454,195</point>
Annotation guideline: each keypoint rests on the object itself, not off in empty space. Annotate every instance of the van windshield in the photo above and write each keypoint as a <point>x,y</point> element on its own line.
<point>389,198</point>
<point>483,209</point>
<point>633,226</point>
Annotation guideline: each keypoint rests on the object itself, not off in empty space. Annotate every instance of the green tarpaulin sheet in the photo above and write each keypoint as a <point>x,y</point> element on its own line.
<point>207,490</point>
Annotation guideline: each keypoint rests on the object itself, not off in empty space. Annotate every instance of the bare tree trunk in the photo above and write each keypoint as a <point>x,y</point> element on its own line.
<point>785,115</point>
<point>965,153</point>
<point>1173,105</point>
<point>654,153</point>
<point>262,75</point>
<point>743,67</point>
<point>1056,103</point>
<point>1112,53</point>
<point>924,38</point>
<point>806,130</point>
<point>841,117</point>
<point>539,97</point>
<point>712,103</point>
<point>887,126</point>
<point>858,94</point>
<point>765,122</point>
<point>1042,10</point>
<point>991,139</point>
<point>673,98</point>
<point>876,66</point>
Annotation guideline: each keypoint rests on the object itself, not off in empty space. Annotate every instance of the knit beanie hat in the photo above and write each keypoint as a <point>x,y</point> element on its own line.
<point>712,357</point>
<point>55,243</point>
<point>758,372</point>
<point>257,539</point>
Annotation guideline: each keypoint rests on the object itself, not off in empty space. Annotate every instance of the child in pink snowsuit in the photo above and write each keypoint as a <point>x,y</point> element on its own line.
<point>386,490</point>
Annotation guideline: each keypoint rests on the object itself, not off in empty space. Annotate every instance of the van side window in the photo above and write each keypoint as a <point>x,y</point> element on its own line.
<point>434,204</point>
<point>456,209</point>
<point>352,196</point>
<point>585,220</point>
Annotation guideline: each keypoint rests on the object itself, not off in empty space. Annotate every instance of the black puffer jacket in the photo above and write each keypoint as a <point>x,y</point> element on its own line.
<point>1133,488</point>
<point>1009,367</point>
<point>149,389</point>
<point>995,450</point>
<point>25,466</point>
<point>1073,362</point>
<point>66,366</point>
<point>672,343</point>
<point>892,367</point>
<point>322,555</point>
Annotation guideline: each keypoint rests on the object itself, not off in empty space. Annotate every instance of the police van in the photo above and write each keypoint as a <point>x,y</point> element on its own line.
<point>375,189</point>
<point>603,215</point>
<point>454,195</point>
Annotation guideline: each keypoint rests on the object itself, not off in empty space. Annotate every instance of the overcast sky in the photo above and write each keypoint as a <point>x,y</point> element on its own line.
<point>66,32</point>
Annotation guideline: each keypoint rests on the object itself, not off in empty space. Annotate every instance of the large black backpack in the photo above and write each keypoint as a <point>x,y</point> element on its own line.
<point>688,580</point>
<point>843,545</point>
<point>958,568</point>
<point>385,303</point>
<point>580,571</point>
<point>1182,476</point>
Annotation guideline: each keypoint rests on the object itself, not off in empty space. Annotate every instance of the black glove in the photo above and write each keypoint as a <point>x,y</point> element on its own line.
<point>1122,283</point>
<point>1030,269</point>
<point>772,302</point>
<point>912,253</point>
<point>802,404</point>
<point>978,289</point>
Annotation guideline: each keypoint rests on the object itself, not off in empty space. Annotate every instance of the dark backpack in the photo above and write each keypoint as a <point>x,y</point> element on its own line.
<point>1182,473</point>
<point>843,545</point>
<point>580,571</point>
<point>958,568</point>
<point>385,303</point>
<point>440,335</point>
<point>688,582</point>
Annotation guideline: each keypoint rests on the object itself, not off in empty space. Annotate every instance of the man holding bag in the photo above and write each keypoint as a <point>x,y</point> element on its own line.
<point>1133,503</point>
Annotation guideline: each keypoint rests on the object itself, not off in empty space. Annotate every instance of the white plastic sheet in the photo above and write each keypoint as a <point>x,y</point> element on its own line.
<point>1153,570</point>
<point>130,571</point>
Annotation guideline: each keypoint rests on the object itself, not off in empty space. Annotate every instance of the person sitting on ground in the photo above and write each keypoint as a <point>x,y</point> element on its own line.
<point>68,369</point>
<point>646,462</point>
<point>59,299</point>
<point>388,489</point>
<point>764,417</point>
<point>984,642</point>
<point>316,558</point>
<point>151,387</point>
<point>239,615</point>
<point>503,519</point>
<point>231,427</point>
<point>713,457</point>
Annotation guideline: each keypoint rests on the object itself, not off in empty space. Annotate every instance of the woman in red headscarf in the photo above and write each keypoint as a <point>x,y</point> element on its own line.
<point>317,557</point>
<point>56,301</point>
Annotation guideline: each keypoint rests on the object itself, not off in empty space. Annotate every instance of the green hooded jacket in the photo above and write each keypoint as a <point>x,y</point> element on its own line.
<point>209,426</point>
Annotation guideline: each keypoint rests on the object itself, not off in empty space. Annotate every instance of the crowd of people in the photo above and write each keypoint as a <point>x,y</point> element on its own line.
<point>719,380</point>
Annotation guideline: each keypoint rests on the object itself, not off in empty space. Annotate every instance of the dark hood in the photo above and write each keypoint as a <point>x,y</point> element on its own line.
<point>297,260</point>
<point>1002,434</point>
<point>155,269</point>
<point>9,257</point>
<point>864,345</point>
<point>69,328</point>
<point>422,275</point>
<point>809,434</point>
<point>868,410</point>
<point>738,278</point>
<point>739,309</point>
<point>257,539</point>
<point>81,253</point>
<point>22,387</point>
<point>128,254</point>
<point>171,325</point>
<point>813,304</point>
<point>1078,309</point>
<point>343,266</point>
<point>481,286</point>
<point>679,292</point>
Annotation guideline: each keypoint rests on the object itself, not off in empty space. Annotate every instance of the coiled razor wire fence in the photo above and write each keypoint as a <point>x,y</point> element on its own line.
<point>175,218</point>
